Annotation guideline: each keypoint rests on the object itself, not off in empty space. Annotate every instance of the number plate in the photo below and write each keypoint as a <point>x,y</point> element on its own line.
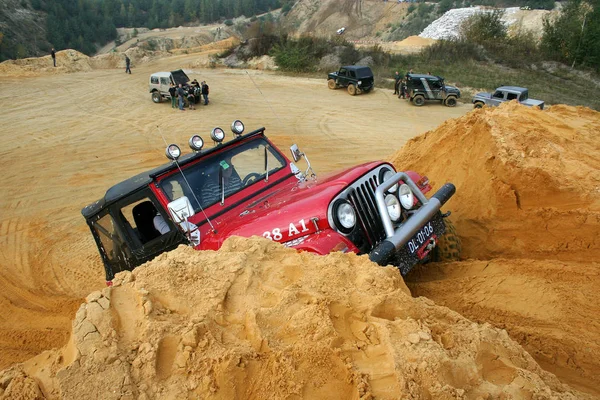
<point>420,238</point>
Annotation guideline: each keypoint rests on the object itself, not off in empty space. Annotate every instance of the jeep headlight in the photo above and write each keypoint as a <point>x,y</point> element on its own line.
<point>393,207</point>
<point>359,82</point>
<point>407,198</point>
<point>386,174</point>
<point>344,216</point>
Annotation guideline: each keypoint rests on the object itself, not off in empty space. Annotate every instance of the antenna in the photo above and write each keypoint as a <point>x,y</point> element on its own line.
<point>266,101</point>
<point>188,185</point>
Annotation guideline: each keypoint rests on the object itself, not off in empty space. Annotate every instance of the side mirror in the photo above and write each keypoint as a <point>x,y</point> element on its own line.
<point>180,209</point>
<point>296,153</point>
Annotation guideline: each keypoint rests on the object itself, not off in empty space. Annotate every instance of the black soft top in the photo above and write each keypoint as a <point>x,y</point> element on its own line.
<point>360,70</point>
<point>142,180</point>
<point>419,76</point>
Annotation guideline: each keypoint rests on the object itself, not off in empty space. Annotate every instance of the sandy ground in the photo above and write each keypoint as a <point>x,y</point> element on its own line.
<point>74,135</point>
<point>518,172</point>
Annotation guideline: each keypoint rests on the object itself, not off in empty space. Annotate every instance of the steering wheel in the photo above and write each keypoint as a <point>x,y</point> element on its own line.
<point>250,178</point>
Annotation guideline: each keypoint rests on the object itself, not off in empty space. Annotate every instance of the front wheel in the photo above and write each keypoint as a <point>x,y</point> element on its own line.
<point>450,102</point>
<point>351,89</point>
<point>156,97</point>
<point>418,100</point>
<point>448,247</point>
<point>331,84</point>
<point>478,104</point>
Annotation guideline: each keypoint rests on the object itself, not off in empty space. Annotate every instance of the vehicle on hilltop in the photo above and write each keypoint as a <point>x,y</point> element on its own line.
<point>246,186</point>
<point>420,87</point>
<point>356,79</point>
<point>506,93</point>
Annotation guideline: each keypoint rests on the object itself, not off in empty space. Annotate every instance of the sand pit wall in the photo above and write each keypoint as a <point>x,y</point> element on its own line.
<point>527,181</point>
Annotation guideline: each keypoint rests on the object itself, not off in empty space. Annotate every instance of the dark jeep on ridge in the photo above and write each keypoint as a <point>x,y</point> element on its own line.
<point>428,87</point>
<point>357,79</point>
<point>246,186</point>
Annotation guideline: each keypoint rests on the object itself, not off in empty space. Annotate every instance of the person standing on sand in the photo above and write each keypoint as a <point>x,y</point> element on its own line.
<point>53,54</point>
<point>205,92</point>
<point>397,78</point>
<point>173,93</point>
<point>180,94</point>
<point>127,64</point>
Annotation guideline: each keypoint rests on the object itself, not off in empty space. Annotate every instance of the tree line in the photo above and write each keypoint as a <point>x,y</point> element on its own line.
<point>85,25</point>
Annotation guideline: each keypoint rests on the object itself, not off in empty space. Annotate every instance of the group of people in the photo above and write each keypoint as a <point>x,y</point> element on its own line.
<point>400,84</point>
<point>192,93</point>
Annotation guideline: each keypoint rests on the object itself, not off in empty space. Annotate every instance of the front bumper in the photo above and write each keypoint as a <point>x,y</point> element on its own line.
<point>394,246</point>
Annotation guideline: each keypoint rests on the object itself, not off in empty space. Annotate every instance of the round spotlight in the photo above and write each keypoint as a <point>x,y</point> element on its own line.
<point>393,207</point>
<point>407,198</point>
<point>217,135</point>
<point>237,127</point>
<point>344,216</point>
<point>196,143</point>
<point>173,152</point>
<point>386,174</point>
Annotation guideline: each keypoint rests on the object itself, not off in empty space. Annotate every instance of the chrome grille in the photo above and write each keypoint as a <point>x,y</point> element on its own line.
<point>362,197</point>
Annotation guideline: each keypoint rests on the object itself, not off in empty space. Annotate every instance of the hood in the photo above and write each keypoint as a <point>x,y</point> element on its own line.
<point>532,102</point>
<point>180,77</point>
<point>483,95</point>
<point>290,211</point>
<point>453,89</point>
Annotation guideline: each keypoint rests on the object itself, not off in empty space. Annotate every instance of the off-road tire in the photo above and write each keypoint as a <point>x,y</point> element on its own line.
<point>156,97</point>
<point>418,100</point>
<point>450,101</point>
<point>478,104</point>
<point>449,246</point>
<point>331,84</point>
<point>352,90</point>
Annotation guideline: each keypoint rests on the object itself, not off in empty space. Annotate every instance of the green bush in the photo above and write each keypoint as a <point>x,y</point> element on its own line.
<point>484,27</point>
<point>228,22</point>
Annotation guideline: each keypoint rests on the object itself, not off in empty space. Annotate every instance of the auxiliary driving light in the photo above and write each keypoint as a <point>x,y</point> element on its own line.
<point>173,152</point>
<point>217,135</point>
<point>196,143</point>
<point>407,198</point>
<point>393,207</point>
<point>237,127</point>
<point>386,174</point>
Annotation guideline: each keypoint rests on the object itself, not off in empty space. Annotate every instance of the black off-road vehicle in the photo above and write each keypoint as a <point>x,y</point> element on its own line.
<point>428,87</point>
<point>357,79</point>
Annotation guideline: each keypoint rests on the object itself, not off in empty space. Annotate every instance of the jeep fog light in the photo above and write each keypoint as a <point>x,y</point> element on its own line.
<point>393,207</point>
<point>384,176</point>
<point>344,216</point>
<point>196,143</point>
<point>217,135</point>
<point>237,127</point>
<point>173,152</point>
<point>407,198</point>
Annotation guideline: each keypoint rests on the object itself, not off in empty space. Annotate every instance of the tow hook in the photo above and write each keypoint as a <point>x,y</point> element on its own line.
<point>446,214</point>
<point>431,244</point>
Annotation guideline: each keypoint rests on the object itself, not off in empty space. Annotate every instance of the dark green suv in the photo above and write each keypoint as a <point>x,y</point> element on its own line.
<point>357,79</point>
<point>428,87</point>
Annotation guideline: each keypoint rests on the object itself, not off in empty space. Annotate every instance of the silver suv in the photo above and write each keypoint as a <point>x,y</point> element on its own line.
<point>161,81</point>
<point>506,93</point>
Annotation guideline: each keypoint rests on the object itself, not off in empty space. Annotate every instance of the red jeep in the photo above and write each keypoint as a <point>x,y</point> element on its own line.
<point>246,186</point>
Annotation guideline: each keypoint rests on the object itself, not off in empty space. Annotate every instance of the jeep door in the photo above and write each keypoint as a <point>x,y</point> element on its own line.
<point>342,78</point>
<point>497,97</point>
<point>435,88</point>
<point>165,84</point>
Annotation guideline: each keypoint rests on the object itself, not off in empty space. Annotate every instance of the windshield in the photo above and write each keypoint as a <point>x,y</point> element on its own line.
<point>235,168</point>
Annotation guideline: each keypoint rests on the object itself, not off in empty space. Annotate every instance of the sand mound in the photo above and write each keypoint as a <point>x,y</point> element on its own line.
<point>257,320</point>
<point>527,180</point>
<point>416,41</point>
<point>66,61</point>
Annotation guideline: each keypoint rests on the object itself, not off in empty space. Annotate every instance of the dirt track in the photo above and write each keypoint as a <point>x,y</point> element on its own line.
<point>68,137</point>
